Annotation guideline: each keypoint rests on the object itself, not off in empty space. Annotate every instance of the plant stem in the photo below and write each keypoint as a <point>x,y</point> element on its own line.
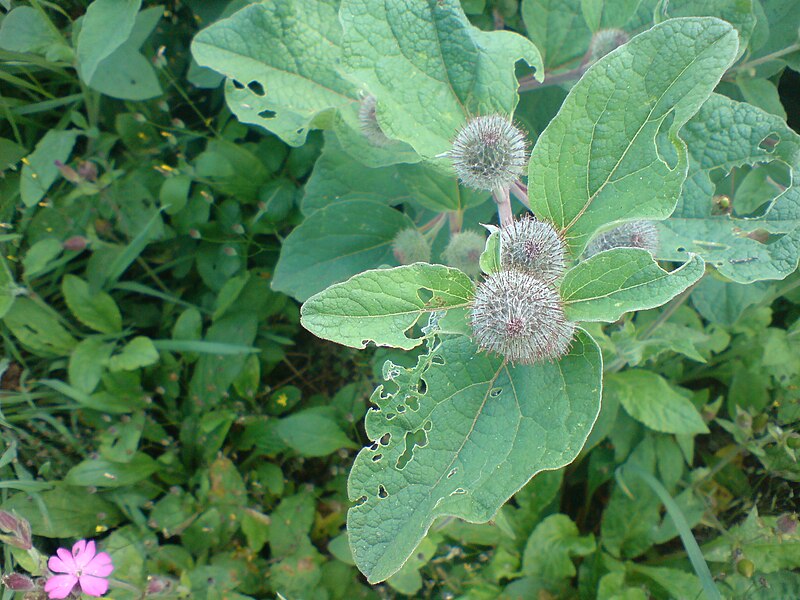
<point>501,197</point>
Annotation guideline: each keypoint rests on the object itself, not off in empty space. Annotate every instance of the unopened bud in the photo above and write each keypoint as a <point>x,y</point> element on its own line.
<point>746,567</point>
<point>534,247</point>
<point>68,172</point>
<point>194,234</point>
<point>464,250</point>
<point>489,153</point>
<point>635,234</point>
<point>410,246</point>
<point>368,119</point>
<point>520,317</point>
<point>786,524</point>
<point>604,41</point>
<point>17,582</point>
<point>87,170</point>
<point>76,243</point>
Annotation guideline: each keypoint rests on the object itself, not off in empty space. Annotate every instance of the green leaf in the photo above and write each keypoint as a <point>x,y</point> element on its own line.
<point>87,363</point>
<point>381,306</point>
<point>613,152</point>
<point>436,191</point>
<point>265,48</point>
<point>8,288</point>
<point>125,73</point>
<point>723,135</point>
<point>490,257</point>
<point>648,398</point>
<point>105,27</point>
<point>600,14</point>
<point>476,433</point>
<point>96,310</point>
<point>139,352</point>
<point>429,68</point>
<point>40,256</point>
<point>621,280</point>
<point>26,29</point>
<point>335,243</point>
<point>38,329</point>
<point>313,432</point>
<point>65,512</point>
<point>723,302</point>
<point>336,176</point>
<point>39,170</point>
<point>739,13</point>
<point>558,28</point>
<point>100,472</point>
<point>550,546</point>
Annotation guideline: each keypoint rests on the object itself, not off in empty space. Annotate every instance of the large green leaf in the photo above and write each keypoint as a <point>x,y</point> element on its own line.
<point>613,152</point>
<point>335,243</point>
<point>381,306</point>
<point>26,29</point>
<point>621,280</point>
<point>284,57</point>
<point>648,398</point>
<point>462,442</point>
<point>429,68</point>
<point>94,309</point>
<point>106,26</point>
<point>558,28</point>
<point>723,135</point>
<point>39,170</point>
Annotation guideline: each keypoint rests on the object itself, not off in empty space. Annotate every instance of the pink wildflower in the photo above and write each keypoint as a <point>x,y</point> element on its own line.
<point>82,566</point>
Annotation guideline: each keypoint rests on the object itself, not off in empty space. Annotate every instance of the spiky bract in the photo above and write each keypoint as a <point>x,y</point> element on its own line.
<point>464,250</point>
<point>368,120</point>
<point>535,247</point>
<point>410,246</point>
<point>635,234</point>
<point>606,40</point>
<point>489,153</point>
<point>520,317</point>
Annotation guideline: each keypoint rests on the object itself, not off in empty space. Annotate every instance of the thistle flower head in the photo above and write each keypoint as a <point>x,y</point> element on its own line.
<point>604,41</point>
<point>410,246</point>
<point>368,120</point>
<point>464,250</point>
<point>520,317</point>
<point>489,153</point>
<point>534,247</point>
<point>635,234</point>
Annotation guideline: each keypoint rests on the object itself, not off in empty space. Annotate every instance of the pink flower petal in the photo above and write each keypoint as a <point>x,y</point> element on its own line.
<point>83,552</point>
<point>59,586</point>
<point>99,566</point>
<point>93,586</point>
<point>63,563</point>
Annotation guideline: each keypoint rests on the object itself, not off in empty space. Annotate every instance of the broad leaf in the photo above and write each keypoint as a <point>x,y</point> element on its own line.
<point>313,432</point>
<point>726,134</point>
<point>739,13</point>
<point>381,306</point>
<point>264,51</point>
<point>621,280</point>
<point>94,309</point>
<point>558,28</point>
<point>139,352</point>
<point>39,170</point>
<point>105,27</point>
<point>25,29</point>
<point>429,68</point>
<point>462,442</point>
<point>335,243</point>
<point>550,547</point>
<point>613,152</point>
<point>648,398</point>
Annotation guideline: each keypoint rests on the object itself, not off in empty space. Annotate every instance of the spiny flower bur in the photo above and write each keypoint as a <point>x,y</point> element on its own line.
<point>604,41</point>
<point>520,318</point>
<point>368,120</point>
<point>535,247</point>
<point>635,234</point>
<point>410,246</point>
<point>464,251</point>
<point>489,153</point>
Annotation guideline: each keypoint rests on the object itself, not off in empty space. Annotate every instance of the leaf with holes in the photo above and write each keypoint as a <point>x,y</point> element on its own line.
<point>613,152</point>
<point>265,51</point>
<point>621,280</point>
<point>755,245</point>
<point>416,56</point>
<point>382,306</point>
<point>459,434</point>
